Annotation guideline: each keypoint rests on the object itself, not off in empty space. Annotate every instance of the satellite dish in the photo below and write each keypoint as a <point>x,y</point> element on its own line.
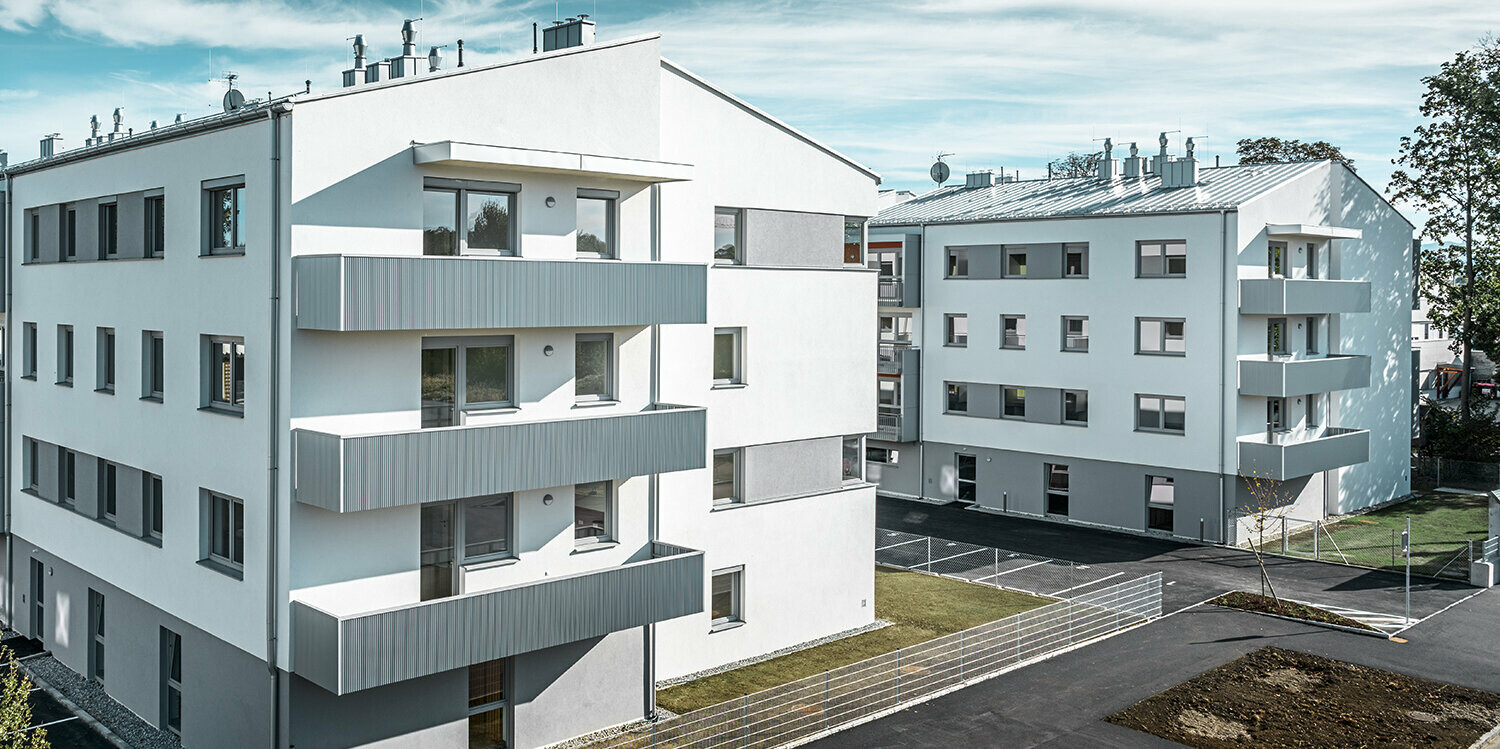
<point>233,100</point>
<point>940,172</point>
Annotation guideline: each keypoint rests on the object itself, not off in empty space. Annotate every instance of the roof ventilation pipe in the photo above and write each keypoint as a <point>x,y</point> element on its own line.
<point>985,178</point>
<point>1159,161</point>
<point>408,64</point>
<point>1135,165</point>
<point>356,75</point>
<point>51,144</point>
<point>93,131</point>
<point>1181,172</point>
<point>1109,166</point>
<point>574,32</point>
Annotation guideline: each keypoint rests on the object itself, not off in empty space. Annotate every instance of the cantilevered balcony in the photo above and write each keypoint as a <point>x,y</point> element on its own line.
<point>891,358</point>
<point>364,471</point>
<point>410,292</point>
<point>896,378</point>
<point>1286,455</point>
<point>1302,296</point>
<point>1278,377</point>
<point>344,646</point>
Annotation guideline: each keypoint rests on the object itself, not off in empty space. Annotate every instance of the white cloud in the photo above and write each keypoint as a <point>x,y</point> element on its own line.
<point>11,94</point>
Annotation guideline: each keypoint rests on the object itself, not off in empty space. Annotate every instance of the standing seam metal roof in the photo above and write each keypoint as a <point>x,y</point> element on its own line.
<point>1218,188</point>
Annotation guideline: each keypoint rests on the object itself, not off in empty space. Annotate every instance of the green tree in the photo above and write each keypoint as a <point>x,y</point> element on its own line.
<point>1076,165</point>
<point>15,707</point>
<point>1272,150</point>
<point>1450,168</point>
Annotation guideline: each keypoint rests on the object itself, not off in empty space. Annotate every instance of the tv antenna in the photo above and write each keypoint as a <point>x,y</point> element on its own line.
<point>940,172</point>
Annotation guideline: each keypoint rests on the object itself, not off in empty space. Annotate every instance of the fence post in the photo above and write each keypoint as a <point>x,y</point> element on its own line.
<point>996,582</point>
<point>825,699</point>
<point>929,553</point>
<point>1439,471</point>
<point>1283,534</point>
<point>1393,548</point>
<point>898,677</point>
<point>1317,530</point>
<point>960,655</point>
<point>745,716</point>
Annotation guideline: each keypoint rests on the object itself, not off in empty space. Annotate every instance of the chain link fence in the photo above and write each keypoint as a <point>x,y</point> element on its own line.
<point>1001,568</point>
<point>1428,472</point>
<point>841,696</point>
<point>1363,543</point>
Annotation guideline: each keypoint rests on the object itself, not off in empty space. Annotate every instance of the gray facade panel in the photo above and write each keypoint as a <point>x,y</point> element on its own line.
<point>985,260</point>
<point>348,474</point>
<point>1044,405</point>
<point>1280,378</point>
<point>1044,261</point>
<point>911,270</point>
<point>384,647</point>
<point>1302,296</point>
<point>88,476</point>
<point>813,240</point>
<point>789,469</point>
<point>1335,449</point>
<point>573,689</point>
<point>355,293</point>
<point>984,400</point>
<point>428,712</point>
<point>902,479</point>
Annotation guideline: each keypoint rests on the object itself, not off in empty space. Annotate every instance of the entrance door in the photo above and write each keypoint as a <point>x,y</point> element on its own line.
<point>1276,259</point>
<point>38,593</point>
<point>968,477</point>
<point>1276,414</point>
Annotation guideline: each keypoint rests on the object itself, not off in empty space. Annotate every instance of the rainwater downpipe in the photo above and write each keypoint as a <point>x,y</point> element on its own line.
<point>1223,531</point>
<point>273,556</point>
<point>10,538</point>
<point>922,275</point>
<point>653,484</point>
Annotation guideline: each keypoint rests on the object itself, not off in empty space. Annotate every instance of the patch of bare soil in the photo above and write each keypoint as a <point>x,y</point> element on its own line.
<point>1283,699</point>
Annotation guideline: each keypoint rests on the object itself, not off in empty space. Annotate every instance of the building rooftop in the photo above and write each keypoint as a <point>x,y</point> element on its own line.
<point>1218,188</point>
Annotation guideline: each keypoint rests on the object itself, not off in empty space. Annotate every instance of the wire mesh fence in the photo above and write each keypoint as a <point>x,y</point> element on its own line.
<point>1430,472</point>
<point>1001,568</point>
<point>1361,542</point>
<point>840,696</point>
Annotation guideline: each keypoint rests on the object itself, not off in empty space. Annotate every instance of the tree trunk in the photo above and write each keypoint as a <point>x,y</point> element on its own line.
<point>1468,332</point>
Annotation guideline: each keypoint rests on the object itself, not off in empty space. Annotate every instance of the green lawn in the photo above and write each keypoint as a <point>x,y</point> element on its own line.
<point>920,607</point>
<point>1440,525</point>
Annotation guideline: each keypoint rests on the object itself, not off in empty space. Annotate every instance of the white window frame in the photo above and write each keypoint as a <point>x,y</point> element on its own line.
<point>950,332</point>
<point>737,494</point>
<point>1068,335</point>
<point>736,615</point>
<point>610,389</point>
<point>737,376</point>
<point>1162,338</point>
<point>1161,414</point>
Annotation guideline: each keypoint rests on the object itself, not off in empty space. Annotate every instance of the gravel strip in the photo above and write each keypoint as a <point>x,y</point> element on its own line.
<point>90,697</point>
<point>871,627</point>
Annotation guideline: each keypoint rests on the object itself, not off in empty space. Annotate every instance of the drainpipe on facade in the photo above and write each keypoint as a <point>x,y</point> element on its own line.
<point>5,247</point>
<point>1223,334</point>
<point>273,599</point>
<point>922,275</point>
<point>653,484</point>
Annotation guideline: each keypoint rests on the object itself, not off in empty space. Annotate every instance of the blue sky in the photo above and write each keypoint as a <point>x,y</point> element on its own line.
<point>1000,83</point>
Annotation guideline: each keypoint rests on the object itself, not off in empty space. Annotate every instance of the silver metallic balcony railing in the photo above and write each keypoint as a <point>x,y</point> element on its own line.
<point>1279,377</point>
<point>1302,296</point>
<point>1282,455</point>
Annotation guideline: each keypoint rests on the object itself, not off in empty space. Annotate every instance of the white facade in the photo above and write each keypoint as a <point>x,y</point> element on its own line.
<point>333,184</point>
<point>1017,440</point>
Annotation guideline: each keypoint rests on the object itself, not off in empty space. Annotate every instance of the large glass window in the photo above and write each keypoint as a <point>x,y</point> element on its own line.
<point>1161,499</point>
<point>1160,413</point>
<point>728,348</point>
<point>1057,489</point>
<point>726,599</point>
<point>728,236</point>
<point>487,219</point>
<point>463,221</point>
<point>1160,335</point>
<point>1161,259</point>
<point>593,367</point>
<point>226,530</point>
<point>486,522</point>
<point>726,477</point>
<point>966,474</point>
<point>1075,406</point>
<point>464,375</point>
<point>225,220</point>
<point>437,559</point>
<point>439,222</point>
<point>591,512</point>
<point>226,375</point>
<point>596,224</point>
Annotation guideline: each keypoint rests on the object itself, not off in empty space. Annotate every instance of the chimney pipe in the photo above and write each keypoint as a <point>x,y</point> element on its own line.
<point>460,53</point>
<point>51,144</point>
<point>409,38</point>
<point>533,37</point>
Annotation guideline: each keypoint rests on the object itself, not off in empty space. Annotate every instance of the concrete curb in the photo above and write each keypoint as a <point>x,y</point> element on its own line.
<point>88,720</point>
<point>1490,740</point>
<point>1325,625</point>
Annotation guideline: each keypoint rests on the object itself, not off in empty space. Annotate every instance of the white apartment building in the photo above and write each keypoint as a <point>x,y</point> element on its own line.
<point>446,409</point>
<point>1120,350</point>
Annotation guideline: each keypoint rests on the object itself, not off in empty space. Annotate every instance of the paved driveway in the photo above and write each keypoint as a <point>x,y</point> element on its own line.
<point>1191,573</point>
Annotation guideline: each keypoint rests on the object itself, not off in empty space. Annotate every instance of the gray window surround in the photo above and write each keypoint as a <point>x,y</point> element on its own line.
<point>1314,346</point>
<point>34,239</point>
<point>734,616</point>
<point>67,234</point>
<point>105,361</point>
<point>109,229</point>
<point>736,373</point>
<point>153,511</point>
<point>1147,249</point>
<point>214,372</point>
<point>1080,405</point>
<point>153,368</point>
<point>1013,261</point>
<point>170,699</point>
<point>737,255</point>
<point>778,471</point>
<point>957,398</point>
<point>222,542</point>
<point>45,476</point>
<point>1012,397</point>
<point>155,226</point>
<point>609,387</point>
<point>606,531</point>
<point>108,508</point>
<point>235,189</point>
<point>732,490</point>
<point>460,345</point>
<point>883,455</point>
<point>1013,332</point>
<point>65,357</point>
<point>1160,504</point>
<point>1056,489</point>
<point>1079,341</point>
<point>1161,413</point>
<point>67,476</point>
<point>611,201</point>
<point>1276,337</point>
<point>1276,259</point>
<point>460,188</point>
<point>956,263</point>
<point>952,336</point>
<point>1311,262</point>
<point>28,351</point>
<point>1163,338</point>
<point>96,641</point>
<point>1075,248</point>
<point>33,465</point>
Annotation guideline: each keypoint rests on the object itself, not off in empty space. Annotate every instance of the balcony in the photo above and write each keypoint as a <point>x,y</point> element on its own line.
<point>1287,455</point>
<point>353,472</point>
<point>895,358</point>
<point>343,647</point>
<point>411,292</point>
<point>899,259</point>
<point>1302,296</point>
<point>1278,377</point>
<point>891,291</point>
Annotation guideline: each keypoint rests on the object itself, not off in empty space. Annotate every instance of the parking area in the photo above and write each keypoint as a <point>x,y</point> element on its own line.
<point>1004,568</point>
<point>1191,573</point>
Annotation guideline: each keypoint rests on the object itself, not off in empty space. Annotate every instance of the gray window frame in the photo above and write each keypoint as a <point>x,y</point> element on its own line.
<point>1278,345</point>
<point>1066,335</point>
<point>739,236</point>
<point>1161,413</point>
<point>109,230</point>
<point>950,334</point>
<point>151,369</point>
<point>460,345</point>
<point>959,482</point>
<point>109,490</point>
<point>737,377</point>
<point>213,384</point>
<point>153,508</point>
<point>737,493</point>
<point>950,389</point>
<point>1005,393</point>
<point>1314,346</point>
<point>28,351</point>
<point>1075,392</point>
<point>610,394</point>
<point>608,536</point>
<point>65,355</point>
<point>736,615</point>
<point>1081,248</point>
<point>461,189</point>
<point>1277,254</point>
<point>611,199</point>
<point>1168,506</point>
<point>33,465</point>
<point>235,186</point>
<point>105,361</point>
<point>952,259</point>
<point>1050,492</point>
<point>1016,340</point>
<point>234,536</point>
<point>34,242</point>
<point>887,456</point>
<point>155,240</point>
<point>1007,251</point>
<point>67,476</point>
<point>1161,245</point>
<point>171,680</point>
<point>67,234</point>
<point>1163,339</point>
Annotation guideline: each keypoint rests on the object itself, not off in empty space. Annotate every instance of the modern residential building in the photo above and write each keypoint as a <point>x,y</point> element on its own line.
<point>1121,350</point>
<point>448,408</point>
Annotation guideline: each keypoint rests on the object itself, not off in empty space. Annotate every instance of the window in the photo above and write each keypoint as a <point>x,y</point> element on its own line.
<point>224,220</point>
<point>591,512</point>
<point>886,455</point>
<point>1013,331</point>
<point>726,477</point>
<point>958,398</point>
<point>171,680</point>
<point>225,545</point>
<point>109,495</point>
<point>593,367</point>
<point>1161,259</point>
<point>1161,495</point>
<point>1160,413</point>
<point>464,375</point>
<point>96,635</point>
<point>1075,334</point>
<point>1015,262</point>
<point>469,220</point>
<point>853,467</point>
<point>486,526</point>
<point>895,328</point>
<point>437,558</point>
<point>105,359</point>
<point>1276,415</point>
<point>956,330</point>
<point>34,247</point>
<point>888,391</point>
<point>1076,260</point>
<point>728,237</point>
<point>728,356</point>
<point>151,505</point>
<point>67,475</point>
<point>1158,335</point>
<point>456,533</point>
<point>887,265</point>
<point>156,225</point>
<point>1312,335</point>
<point>226,373</point>
<point>854,240</point>
<point>68,234</point>
<point>1276,259</point>
<point>1075,406</point>
<point>1276,336</point>
<point>28,351</point>
<point>109,231</point>
<point>1312,260</point>
<point>726,600</point>
<point>33,465</point>
<point>1312,412</point>
<point>958,263</point>
<point>487,704</point>
<point>1014,403</point>
<point>153,364</point>
<point>596,223</point>
<point>1057,488</point>
<point>966,477</point>
<point>65,355</point>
